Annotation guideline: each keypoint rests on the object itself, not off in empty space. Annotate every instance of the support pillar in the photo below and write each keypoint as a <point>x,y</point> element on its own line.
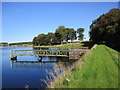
<point>40,58</point>
<point>14,58</point>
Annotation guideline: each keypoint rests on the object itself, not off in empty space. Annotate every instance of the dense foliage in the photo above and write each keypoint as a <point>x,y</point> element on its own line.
<point>61,35</point>
<point>106,29</point>
<point>80,32</point>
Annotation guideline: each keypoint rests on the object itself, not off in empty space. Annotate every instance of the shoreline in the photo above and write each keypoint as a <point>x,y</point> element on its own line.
<point>61,46</point>
<point>65,46</point>
<point>16,46</point>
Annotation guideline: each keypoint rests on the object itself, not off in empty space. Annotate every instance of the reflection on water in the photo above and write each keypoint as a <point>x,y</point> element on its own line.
<point>29,64</point>
<point>36,64</point>
<point>27,69</point>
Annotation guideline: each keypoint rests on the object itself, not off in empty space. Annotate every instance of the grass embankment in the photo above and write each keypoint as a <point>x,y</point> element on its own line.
<point>65,46</point>
<point>99,70</point>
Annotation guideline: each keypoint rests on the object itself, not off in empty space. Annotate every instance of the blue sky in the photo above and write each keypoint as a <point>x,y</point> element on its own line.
<point>22,21</point>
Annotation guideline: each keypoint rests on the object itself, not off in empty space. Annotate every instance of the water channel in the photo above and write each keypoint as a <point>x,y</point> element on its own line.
<point>26,70</point>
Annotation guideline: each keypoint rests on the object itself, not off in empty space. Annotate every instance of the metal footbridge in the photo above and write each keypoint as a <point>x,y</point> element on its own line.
<point>72,53</point>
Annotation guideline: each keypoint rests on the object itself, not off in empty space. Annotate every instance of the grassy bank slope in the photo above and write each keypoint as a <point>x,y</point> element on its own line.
<point>100,70</point>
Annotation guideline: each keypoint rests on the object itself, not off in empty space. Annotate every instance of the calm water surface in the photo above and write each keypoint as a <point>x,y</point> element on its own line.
<point>18,74</point>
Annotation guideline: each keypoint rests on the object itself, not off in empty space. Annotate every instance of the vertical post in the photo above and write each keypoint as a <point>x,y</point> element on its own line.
<point>40,58</point>
<point>14,58</point>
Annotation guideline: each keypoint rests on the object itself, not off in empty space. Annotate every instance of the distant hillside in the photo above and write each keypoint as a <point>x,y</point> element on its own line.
<point>20,44</point>
<point>5,44</point>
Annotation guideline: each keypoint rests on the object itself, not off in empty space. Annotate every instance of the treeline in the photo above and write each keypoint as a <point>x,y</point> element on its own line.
<point>20,43</point>
<point>16,44</point>
<point>3,44</point>
<point>60,35</point>
<point>106,29</point>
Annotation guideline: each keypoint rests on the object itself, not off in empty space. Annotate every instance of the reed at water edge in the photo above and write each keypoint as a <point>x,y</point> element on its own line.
<point>61,74</point>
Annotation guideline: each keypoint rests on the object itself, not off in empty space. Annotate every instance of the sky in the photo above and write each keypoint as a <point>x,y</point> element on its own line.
<point>22,21</point>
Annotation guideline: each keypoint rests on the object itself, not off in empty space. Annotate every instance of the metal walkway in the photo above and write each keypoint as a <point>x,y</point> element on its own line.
<point>72,54</point>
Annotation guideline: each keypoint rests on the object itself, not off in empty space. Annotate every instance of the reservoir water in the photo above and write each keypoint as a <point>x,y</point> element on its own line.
<point>18,74</point>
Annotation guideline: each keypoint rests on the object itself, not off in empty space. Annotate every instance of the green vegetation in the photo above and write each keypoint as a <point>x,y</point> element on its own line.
<point>80,32</point>
<point>65,46</point>
<point>61,35</point>
<point>99,70</point>
<point>106,29</point>
<point>26,44</point>
<point>3,44</point>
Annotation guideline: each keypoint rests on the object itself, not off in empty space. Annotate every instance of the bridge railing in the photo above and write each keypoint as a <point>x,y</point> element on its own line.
<point>39,53</point>
<point>71,53</point>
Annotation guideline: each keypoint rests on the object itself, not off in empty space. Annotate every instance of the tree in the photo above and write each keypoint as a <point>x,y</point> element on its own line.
<point>80,33</point>
<point>58,37</point>
<point>53,38</point>
<point>106,29</point>
<point>71,34</point>
<point>49,38</point>
<point>65,34</point>
<point>61,32</point>
<point>38,40</point>
<point>35,41</point>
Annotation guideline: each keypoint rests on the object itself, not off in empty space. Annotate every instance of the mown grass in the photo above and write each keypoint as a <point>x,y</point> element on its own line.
<point>65,46</point>
<point>100,70</point>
